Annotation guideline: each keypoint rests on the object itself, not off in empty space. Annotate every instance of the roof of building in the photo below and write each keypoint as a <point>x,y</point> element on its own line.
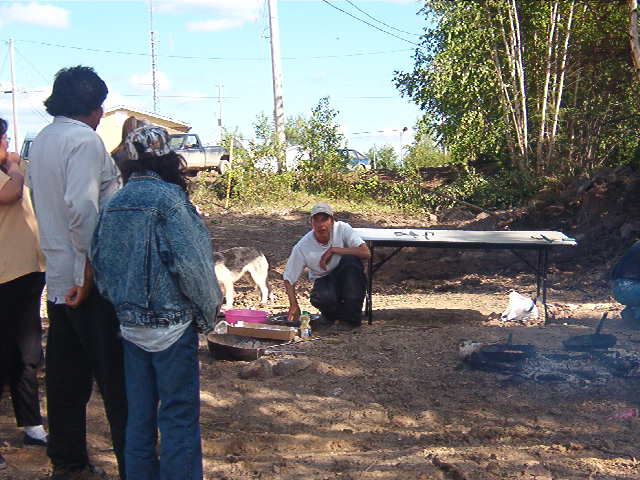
<point>176,124</point>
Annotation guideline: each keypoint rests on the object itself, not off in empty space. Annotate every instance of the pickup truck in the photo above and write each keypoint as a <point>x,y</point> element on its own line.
<point>197,156</point>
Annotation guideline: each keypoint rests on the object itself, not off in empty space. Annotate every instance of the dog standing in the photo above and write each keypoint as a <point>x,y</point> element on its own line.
<point>232,264</point>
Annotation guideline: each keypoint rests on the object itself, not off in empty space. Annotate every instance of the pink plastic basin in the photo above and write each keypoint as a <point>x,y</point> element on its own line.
<point>245,315</point>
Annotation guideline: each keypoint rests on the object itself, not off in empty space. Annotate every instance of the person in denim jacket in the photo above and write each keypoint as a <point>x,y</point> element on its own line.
<point>625,283</point>
<point>152,258</point>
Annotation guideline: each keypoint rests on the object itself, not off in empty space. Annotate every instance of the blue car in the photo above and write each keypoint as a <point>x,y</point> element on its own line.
<point>355,160</point>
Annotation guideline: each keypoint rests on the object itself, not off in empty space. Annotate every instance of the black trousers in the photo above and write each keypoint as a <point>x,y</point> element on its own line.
<point>83,344</point>
<point>340,295</point>
<point>21,345</point>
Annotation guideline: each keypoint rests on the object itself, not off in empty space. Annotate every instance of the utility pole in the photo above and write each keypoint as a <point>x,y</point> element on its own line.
<point>13,96</point>
<point>153,59</point>
<point>276,69</point>
<point>220,88</point>
<point>404,129</point>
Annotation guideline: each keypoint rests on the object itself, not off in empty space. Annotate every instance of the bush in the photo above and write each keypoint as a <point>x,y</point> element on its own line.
<point>251,187</point>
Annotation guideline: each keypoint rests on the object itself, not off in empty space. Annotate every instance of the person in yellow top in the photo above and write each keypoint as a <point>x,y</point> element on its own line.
<point>21,284</point>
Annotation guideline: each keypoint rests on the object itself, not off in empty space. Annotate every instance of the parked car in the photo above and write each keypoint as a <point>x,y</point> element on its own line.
<point>197,156</point>
<point>355,160</point>
<point>24,153</point>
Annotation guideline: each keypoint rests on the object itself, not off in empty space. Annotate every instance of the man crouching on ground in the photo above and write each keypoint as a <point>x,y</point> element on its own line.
<point>332,251</point>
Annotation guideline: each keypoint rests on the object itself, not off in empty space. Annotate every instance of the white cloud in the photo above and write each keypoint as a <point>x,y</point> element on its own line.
<point>215,25</point>
<point>220,14</point>
<point>116,99</point>
<point>144,81</point>
<point>216,5</point>
<point>34,14</point>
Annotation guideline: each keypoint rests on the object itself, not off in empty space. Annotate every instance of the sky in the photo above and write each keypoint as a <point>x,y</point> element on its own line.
<point>207,49</point>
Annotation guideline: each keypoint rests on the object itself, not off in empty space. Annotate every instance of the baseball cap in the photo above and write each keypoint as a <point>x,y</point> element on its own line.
<point>152,139</point>
<point>321,208</point>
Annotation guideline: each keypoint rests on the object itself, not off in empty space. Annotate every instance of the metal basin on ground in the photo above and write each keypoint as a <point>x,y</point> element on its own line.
<point>234,347</point>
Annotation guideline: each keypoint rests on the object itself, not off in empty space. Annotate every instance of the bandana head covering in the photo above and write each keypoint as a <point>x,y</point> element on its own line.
<point>153,140</point>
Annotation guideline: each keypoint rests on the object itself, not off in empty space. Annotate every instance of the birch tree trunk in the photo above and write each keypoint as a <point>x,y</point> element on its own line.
<point>560,88</point>
<point>505,100</point>
<point>510,75</point>
<point>633,36</point>
<point>553,21</point>
<point>522,89</point>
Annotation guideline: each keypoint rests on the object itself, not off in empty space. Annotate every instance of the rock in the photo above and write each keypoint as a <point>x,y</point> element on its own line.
<point>538,472</point>
<point>290,366</point>
<point>258,369</point>
<point>492,466</point>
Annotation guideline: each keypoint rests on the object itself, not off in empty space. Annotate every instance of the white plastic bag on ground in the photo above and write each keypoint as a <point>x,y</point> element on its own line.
<point>520,308</point>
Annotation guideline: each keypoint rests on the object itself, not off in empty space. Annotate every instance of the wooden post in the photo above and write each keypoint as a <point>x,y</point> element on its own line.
<point>229,173</point>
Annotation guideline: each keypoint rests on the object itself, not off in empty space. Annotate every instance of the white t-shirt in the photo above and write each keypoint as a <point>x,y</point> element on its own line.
<point>308,251</point>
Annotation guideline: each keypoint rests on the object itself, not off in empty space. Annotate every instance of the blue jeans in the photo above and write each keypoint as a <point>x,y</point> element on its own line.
<point>340,295</point>
<point>627,292</point>
<point>163,390</point>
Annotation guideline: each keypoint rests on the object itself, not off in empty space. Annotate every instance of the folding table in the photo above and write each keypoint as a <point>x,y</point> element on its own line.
<point>539,241</point>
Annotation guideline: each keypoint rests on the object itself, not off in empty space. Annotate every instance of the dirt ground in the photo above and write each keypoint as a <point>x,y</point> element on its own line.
<point>393,400</point>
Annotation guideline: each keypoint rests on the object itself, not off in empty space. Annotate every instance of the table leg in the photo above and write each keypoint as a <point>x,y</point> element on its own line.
<point>369,301</point>
<point>545,263</point>
<point>539,272</point>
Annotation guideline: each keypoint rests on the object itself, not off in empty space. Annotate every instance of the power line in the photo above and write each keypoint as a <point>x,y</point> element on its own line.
<point>188,57</point>
<point>370,24</point>
<point>380,21</point>
<point>382,52</point>
<point>378,131</point>
<point>4,61</point>
<point>372,98</point>
<point>26,60</point>
<point>177,96</point>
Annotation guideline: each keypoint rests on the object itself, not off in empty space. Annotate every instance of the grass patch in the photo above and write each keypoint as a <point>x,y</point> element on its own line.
<point>355,191</point>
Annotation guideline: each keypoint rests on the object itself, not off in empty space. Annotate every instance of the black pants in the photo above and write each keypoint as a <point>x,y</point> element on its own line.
<point>83,344</point>
<point>21,345</point>
<point>340,295</point>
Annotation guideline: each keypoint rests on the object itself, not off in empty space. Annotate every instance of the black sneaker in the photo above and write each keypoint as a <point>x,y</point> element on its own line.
<point>31,441</point>
<point>3,463</point>
<point>90,472</point>
<point>60,474</point>
<point>348,327</point>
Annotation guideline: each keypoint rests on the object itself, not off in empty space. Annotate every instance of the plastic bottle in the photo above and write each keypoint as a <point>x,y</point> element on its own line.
<point>305,325</point>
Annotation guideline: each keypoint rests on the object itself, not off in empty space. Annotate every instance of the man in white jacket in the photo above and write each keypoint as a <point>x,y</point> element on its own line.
<point>332,252</point>
<point>72,176</point>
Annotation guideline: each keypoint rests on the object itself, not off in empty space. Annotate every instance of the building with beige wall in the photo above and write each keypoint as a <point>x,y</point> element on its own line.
<point>110,128</point>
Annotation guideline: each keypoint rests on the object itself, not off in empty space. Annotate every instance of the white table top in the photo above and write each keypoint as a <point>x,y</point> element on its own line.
<point>415,235</point>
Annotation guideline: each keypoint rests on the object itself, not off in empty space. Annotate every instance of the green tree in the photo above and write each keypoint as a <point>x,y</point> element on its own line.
<point>544,86</point>
<point>321,138</point>
<point>424,151</point>
<point>294,126</point>
<point>265,148</point>
<point>384,157</point>
<point>318,135</point>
